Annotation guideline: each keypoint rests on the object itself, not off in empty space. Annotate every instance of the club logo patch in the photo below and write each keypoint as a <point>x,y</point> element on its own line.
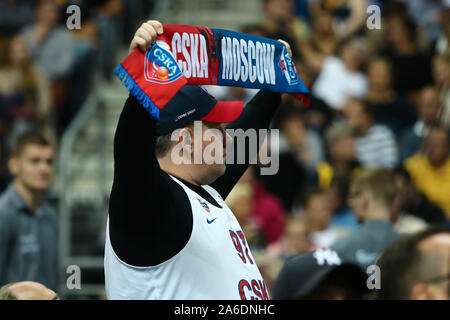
<point>204,205</point>
<point>287,67</point>
<point>160,66</point>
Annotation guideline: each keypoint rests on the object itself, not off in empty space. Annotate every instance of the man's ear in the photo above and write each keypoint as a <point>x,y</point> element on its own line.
<point>13,165</point>
<point>186,140</point>
<point>419,291</point>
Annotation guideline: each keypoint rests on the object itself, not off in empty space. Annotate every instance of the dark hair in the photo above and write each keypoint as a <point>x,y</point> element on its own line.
<point>402,265</point>
<point>27,139</point>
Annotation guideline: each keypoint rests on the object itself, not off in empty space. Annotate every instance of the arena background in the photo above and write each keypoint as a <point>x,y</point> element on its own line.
<point>79,107</point>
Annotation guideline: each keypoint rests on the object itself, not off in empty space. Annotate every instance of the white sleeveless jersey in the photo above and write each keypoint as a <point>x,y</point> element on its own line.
<point>216,263</point>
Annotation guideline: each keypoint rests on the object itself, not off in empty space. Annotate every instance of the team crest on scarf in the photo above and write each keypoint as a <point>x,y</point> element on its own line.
<point>204,205</point>
<point>160,66</point>
<point>288,68</point>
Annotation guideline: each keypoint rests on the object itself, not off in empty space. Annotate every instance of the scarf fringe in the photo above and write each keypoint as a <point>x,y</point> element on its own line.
<point>137,92</point>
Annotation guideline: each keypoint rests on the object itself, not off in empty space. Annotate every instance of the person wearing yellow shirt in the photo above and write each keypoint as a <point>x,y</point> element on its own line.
<point>430,170</point>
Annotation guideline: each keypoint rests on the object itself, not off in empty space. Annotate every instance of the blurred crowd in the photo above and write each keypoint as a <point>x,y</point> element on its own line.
<point>364,170</point>
<point>47,70</point>
<point>367,163</point>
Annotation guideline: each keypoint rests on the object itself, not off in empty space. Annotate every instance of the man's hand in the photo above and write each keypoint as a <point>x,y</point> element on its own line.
<point>288,47</point>
<point>145,36</point>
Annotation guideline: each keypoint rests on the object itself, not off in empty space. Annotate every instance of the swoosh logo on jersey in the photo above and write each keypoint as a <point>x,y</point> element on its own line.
<point>210,221</point>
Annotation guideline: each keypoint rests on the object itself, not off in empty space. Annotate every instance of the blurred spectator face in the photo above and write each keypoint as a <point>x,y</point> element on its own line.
<point>428,104</point>
<point>435,250</point>
<point>33,167</point>
<point>441,71</point>
<point>436,146</point>
<point>351,56</point>
<point>294,129</point>
<point>379,75</point>
<point>280,10</point>
<point>342,148</point>
<point>295,237</point>
<point>47,13</point>
<point>240,202</point>
<point>323,23</point>
<point>355,115</point>
<point>18,51</point>
<point>397,31</point>
<point>318,211</point>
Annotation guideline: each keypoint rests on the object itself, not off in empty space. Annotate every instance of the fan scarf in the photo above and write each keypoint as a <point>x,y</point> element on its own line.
<point>207,56</point>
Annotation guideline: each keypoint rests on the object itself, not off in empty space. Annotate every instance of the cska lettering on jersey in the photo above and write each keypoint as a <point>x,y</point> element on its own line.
<point>247,61</point>
<point>253,290</point>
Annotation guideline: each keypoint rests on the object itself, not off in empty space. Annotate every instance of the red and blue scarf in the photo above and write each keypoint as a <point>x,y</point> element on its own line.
<point>206,56</point>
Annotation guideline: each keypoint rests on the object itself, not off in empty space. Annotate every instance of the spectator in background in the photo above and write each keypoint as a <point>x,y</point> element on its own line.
<point>372,193</point>
<point>343,216</point>
<point>349,15</point>
<point>428,107</point>
<point>425,14</point>
<point>416,267</point>
<point>340,77</point>
<point>26,290</point>
<point>305,144</point>
<point>320,275</point>
<point>375,144</point>
<point>317,214</point>
<point>405,55</point>
<point>322,43</point>
<point>390,109</point>
<point>415,203</point>
<point>281,23</point>
<point>267,211</point>
<point>295,239</point>
<point>240,200</point>
<point>340,154</point>
<point>28,222</point>
<point>25,97</point>
<point>52,48</point>
<point>430,171</point>
<point>50,45</point>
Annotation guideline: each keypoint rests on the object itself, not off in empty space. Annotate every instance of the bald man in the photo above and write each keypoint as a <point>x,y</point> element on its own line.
<point>417,267</point>
<point>26,290</point>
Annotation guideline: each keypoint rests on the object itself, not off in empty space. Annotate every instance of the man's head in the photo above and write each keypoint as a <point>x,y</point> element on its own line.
<point>417,267</point>
<point>191,137</point>
<point>437,145</point>
<point>318,211</point>
<point>26,290</point>
<point>295,238</point>
<point>352,53</point>
<point>359,115</point>
<point>428,104</point>
<point>47,12</point>
<point>372,193</point>
<point>31,162</point>
<point>380,75</point>
<point>320,275</point>
<point>340,142</point>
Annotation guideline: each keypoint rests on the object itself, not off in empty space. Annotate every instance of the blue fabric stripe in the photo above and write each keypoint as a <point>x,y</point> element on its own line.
<point>137,92</point>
